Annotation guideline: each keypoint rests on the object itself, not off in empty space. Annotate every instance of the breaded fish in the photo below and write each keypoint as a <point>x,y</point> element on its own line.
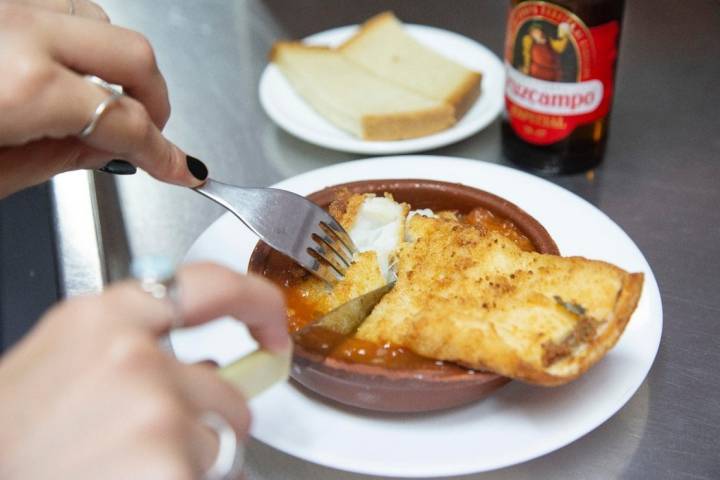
<point>375,224</point>
<point>362,276</point>
<point>475,298</point>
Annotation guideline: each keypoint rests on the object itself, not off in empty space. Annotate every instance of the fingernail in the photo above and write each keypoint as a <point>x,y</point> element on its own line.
<point>119,167</point>
<point>196,167</point>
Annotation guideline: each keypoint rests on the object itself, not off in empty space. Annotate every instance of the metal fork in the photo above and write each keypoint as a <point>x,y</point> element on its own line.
<point>289,223</point>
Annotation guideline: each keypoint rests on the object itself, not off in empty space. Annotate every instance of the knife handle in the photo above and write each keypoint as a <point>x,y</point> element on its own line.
<point>258,371</point>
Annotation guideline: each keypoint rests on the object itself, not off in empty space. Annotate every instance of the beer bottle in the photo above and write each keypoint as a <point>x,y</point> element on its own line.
<point>560,58</point>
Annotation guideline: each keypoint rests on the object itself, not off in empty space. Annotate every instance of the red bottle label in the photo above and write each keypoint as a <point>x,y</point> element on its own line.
<point>559,71</point>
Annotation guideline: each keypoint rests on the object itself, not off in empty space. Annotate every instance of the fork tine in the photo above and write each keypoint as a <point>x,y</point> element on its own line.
<point>313,263</point>
<point>325,268</point>
<point>328,254</point>
<point>333,241</point>
<point>343,236</point>
<point>296,219</point>
<point>338,232</point>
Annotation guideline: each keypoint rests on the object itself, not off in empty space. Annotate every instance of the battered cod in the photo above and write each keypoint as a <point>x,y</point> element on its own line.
<point>474,297</point>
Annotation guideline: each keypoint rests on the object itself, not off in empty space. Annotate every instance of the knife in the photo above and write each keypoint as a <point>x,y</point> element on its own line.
<point>258,371</point>
<point>327,332</point>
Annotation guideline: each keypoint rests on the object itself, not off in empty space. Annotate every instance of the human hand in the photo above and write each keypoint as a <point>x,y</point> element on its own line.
<point>88,394</point>
<point>80,8</point>
<point>46,101</point>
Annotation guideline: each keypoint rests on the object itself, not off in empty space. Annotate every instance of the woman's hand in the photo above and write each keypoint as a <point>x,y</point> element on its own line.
<point>80,8</point>
<point>46,102</point>
<point>89,394</point>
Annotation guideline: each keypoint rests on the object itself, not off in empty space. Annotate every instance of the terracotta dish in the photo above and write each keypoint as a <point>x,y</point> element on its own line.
<point>390,390</point>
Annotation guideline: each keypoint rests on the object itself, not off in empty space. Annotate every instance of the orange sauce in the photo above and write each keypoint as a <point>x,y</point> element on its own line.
<point>301,311</point>
<point>487,220</point>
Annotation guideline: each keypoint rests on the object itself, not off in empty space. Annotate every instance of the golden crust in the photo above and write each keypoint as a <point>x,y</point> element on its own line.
<point>352,207</point>
<point>402,125</point>
<point>625,305</point>
<point>368,26</point>
<point>361,277</point>
<point>627,301</point>
<point>475,298</point>
<point>278,47</point>
<point>478,300</point>
<point>339,205</point>
<point>465,95</point>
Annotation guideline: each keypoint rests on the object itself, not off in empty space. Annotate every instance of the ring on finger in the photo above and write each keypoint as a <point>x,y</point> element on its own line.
<point>156,275</point>
<point>110,87</point>
<point>230,454</point>
<point>115,92</point>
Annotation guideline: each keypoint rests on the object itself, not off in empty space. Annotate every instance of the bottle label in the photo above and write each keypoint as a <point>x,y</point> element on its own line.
<point>559,71</point>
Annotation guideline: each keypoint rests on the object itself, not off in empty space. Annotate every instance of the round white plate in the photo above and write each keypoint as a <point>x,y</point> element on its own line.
<point>517,423</point>
<point>287,109</point>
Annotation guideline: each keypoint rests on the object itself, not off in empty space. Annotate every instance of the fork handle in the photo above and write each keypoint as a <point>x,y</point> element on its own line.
<point>229,196</point>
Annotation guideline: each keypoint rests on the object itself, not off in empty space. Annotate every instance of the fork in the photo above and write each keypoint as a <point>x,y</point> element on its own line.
<point>289,223</point>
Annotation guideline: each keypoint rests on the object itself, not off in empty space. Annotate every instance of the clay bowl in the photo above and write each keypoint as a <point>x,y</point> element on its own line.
<point>381,389</point>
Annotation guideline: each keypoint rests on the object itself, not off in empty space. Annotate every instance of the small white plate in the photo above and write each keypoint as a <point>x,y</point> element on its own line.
<point>288,110</point>
<point>517,423</point>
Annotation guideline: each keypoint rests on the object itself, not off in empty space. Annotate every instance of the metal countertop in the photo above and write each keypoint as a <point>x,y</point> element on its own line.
<point>660,182</point>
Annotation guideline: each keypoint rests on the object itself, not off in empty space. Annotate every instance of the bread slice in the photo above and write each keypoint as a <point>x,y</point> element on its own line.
<point>476,299</point>
<point>384,47</point>
<point>356,100</point>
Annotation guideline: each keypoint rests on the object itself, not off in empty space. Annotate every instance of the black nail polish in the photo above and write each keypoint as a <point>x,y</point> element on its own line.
<point>197,168</point>
<point>119,167</point>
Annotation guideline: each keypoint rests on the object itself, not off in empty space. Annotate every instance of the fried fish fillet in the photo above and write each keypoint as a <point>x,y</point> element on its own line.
<point>374,224</point>
<point>377,227</point>
<point>361,277</point>
<point>475,298</point>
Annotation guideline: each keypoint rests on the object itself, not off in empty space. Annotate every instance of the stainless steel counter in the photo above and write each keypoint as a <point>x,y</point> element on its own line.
<point>660,181</point>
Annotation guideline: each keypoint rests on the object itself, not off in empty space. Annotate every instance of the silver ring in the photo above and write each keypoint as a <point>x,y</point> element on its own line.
<point>230,454</point>
<point>115,92</point>
<point>110,87</point>
<point>71,7</point>
<point>156,275</point>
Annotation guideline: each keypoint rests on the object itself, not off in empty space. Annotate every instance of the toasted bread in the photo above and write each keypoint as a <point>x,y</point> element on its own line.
<point>475,298</point>
<point>384,47</point>
<point>355,99</point>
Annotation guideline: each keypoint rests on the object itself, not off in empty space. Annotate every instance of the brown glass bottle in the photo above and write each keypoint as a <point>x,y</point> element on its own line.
<point>561,58</point>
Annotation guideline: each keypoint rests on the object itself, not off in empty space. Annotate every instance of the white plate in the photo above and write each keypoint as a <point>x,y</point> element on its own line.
<point>287,109</point>
<point>517,423</point>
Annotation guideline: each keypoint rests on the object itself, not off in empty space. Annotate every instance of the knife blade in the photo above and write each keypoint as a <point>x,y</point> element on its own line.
<point>258,371</point>
<point>327,332</point>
